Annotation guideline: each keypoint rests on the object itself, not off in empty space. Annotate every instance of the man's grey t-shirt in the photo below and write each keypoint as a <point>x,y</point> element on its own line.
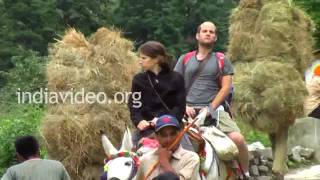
<point>206,86</point>
<point>37,169</point>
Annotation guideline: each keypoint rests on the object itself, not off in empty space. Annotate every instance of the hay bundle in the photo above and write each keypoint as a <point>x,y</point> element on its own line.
<point>255,4</point>
<point>284,31</point>
<point>242,20</point>
<point>104,63</point>
<point>271,52</point>
<point>263,29</point>
<point>263,89</point>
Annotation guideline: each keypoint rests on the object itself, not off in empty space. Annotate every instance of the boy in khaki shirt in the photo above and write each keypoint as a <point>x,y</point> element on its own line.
<point>178,163</point>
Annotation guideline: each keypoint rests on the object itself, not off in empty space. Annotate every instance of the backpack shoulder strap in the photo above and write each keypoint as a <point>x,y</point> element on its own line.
<point>220,62</point>
<point>220,59</point>
<point>186,59</point>
<point>188,56</point>
<point>227,102</point>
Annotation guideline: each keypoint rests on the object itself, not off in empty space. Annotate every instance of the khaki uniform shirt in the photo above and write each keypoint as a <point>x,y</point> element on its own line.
<point>185,163</point>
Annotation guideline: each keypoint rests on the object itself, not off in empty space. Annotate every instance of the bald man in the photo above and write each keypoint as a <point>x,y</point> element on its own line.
<point>208,87</point>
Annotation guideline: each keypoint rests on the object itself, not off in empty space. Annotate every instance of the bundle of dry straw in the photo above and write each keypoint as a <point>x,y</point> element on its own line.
<point>272,30</point>
<point>263,32</point>
<point>269,94</point>
<point>270,45</point>
<point>103,63</point>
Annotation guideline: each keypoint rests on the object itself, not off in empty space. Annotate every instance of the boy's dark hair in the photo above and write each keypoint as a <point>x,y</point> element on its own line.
<point>26,146</point>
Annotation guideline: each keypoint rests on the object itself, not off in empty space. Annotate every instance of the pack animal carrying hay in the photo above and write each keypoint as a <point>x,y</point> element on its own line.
<point>269,87</point>
<point>101,65</point>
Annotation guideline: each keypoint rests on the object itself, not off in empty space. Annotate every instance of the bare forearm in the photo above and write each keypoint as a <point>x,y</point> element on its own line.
<point>223,92</point>
<point>220,97</point>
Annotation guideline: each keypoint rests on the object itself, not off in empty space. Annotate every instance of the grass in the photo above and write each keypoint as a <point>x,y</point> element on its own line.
<point>251,135</point>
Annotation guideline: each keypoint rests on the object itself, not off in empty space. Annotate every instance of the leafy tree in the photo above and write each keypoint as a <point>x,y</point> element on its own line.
<point>85,15</point>
<point>27,76</point>
<point>27,24</point>
<point>32,24</point>
<point>172,22</point>
<point>21,120</point>
<point>312,8</point>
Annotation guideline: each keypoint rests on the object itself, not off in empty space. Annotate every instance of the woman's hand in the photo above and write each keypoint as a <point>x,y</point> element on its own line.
<point>143,125</point>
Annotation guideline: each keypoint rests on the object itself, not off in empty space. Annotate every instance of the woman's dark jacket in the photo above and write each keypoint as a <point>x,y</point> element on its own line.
<point>168,84</point>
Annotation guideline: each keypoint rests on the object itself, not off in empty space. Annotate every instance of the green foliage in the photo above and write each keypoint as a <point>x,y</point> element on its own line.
<point>252,135</point>
<point>312,8</point>
<point>27,24</point>
<point>29,71</point>
<point>304,163</point>
<point>85,15</point>
<point>172,22</point>
<point>20,120</point>
<point>28,76</point>
<point>32,24</point>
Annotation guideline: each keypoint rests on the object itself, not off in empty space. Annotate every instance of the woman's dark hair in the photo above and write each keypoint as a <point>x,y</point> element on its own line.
<point>27,146</point>
<point>155,49</point>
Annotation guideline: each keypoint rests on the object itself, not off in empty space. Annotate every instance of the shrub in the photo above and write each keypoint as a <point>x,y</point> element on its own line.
<point>23,119</point>
<point>251,135</point>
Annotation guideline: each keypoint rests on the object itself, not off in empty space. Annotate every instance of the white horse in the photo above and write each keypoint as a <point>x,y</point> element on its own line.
<point>122,164</point>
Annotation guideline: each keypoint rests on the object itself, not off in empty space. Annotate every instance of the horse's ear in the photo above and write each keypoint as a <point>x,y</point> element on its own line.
<point>126,141</point>
<point>109,149</point>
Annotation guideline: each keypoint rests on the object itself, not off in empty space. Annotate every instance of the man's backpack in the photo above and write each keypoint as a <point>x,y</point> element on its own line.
<point>220,61</point>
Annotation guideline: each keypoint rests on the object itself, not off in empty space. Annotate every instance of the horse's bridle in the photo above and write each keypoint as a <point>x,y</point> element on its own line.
<point>132,155</point>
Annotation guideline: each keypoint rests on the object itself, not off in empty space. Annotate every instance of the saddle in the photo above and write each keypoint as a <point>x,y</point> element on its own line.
<point>233,168</point>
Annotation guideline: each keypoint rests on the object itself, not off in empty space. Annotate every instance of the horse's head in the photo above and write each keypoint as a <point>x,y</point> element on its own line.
<point>120,164</point>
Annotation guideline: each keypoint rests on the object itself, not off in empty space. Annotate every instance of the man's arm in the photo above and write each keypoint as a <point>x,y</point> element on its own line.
<point>226,82</point>
<point>179,66</point>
